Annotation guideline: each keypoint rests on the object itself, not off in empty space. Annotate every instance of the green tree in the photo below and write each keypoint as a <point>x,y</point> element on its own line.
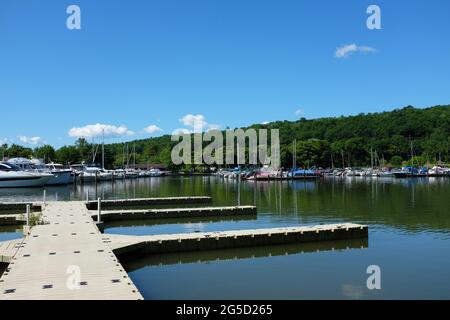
<point>68,155</point>
<point>396,161</point>
<point>45,152</point>
<point>18,151</point>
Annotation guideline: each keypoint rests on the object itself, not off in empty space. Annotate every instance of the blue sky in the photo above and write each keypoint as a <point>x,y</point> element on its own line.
<point>136,64</point>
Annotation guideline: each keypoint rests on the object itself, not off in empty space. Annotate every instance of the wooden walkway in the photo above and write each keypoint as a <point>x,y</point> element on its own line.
<point>49,260</point>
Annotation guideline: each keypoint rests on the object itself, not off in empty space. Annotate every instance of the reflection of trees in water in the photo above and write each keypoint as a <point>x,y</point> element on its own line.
<point>138,261</point>
<point>64,193</point>
<point>414,203</point>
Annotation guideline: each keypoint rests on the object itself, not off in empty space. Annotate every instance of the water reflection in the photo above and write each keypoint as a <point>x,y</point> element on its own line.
<point>413,204</point>
<point>135,262</point>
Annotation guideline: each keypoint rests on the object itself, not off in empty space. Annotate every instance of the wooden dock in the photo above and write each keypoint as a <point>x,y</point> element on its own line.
<point>108,216</point>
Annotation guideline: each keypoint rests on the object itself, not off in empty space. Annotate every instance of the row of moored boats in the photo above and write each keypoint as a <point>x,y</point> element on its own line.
<point>267,173</point>
<point>21,172</point>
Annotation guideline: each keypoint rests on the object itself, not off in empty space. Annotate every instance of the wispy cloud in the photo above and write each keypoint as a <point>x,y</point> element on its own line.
<point>3,141</point>
<point>99,130</point>
<point>299,112</point>
<point>152,129</point>
<point>30,140</point>
<point>345,51</point>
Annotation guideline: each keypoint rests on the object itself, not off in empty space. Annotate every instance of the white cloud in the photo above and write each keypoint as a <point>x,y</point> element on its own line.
<point>299,112</point>
<point>345,51</point>
<point>196,123</point>
<point>191,120</point>
<point>178,132</point>
<point>98,130</point>
<point>152,129</point>
<point>3,141</point>
<point>265,122</point>
<point>30,140</point>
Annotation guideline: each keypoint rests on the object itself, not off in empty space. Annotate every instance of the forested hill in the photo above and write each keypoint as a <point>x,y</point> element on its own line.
<point>343,140</point>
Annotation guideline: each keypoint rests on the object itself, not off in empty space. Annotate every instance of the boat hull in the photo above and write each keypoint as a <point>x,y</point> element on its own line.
<point>60,178</point>
<point>24,181</point>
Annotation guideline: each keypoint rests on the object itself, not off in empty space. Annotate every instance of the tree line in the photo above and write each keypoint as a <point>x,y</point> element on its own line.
<point>386,138</point>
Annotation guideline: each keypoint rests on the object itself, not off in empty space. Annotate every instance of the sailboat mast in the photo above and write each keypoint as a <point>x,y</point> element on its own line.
<point>103,150</point>
<point>294,155</point>
<point>123,156</point>
<point>371,157</point>
<point>128,158</point>
<point>134,156</point>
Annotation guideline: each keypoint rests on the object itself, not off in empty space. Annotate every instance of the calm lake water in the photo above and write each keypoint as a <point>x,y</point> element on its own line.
<point>409,238</point>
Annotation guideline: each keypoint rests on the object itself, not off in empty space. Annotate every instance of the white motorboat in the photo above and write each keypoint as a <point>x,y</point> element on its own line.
<point>61,176</point>
<point>155,173</point>
<point>92,174</point>
<point>12,177</point>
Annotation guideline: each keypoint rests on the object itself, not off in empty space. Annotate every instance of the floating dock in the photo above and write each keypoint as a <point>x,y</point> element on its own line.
<point>68,257</point>
<point>12,219</point>
<point>8,250</point>
<point>15,207</point>
<point>145,202</point>
<point>108,216</point>
<point>158,244</point>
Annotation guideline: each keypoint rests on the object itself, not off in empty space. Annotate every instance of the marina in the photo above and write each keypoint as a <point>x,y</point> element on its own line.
<point>208,151</point>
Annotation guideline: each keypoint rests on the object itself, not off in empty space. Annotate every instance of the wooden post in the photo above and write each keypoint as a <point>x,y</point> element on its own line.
<point>44,196</point>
